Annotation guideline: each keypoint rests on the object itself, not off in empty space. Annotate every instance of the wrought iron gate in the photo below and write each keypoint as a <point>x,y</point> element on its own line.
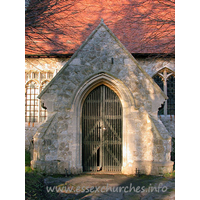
<point>102,131</point>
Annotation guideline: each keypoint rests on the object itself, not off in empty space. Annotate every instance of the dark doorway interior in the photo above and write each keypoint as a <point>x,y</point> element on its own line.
<point>102,130</point>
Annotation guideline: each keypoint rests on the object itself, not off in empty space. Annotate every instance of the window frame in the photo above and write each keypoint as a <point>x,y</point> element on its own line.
<point>165,74</point>
<point>31,101</point>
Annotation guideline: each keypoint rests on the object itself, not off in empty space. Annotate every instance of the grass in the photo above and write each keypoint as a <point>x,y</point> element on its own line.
<point>27,158</point>
<point>34,182</point>
<point>34,186</point>
<point>146,177</point>
<point>28,169</point>
<point>170,175</point>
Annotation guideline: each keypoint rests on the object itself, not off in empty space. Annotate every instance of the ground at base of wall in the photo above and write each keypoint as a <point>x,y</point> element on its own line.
<point>108,186</point>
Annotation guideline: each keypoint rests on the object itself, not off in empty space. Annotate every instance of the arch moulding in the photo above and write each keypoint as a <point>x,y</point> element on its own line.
<point>125,97</point>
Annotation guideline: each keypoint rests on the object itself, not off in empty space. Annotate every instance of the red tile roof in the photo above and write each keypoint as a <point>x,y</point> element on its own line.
<point>142,26</point>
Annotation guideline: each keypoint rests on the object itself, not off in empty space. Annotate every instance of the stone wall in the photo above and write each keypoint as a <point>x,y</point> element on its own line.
<point>169,122</point>
<point>30,130</point>
<point>42,65</point>
<point>150,65</point>
<point>153,65</point>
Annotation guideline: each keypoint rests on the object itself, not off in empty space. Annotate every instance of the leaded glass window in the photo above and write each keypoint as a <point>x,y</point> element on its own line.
<point>35,75</point>
<point>43,76</point>
<point>49,75</point>
<point>31,102</point>
<point>159,81</point>
<point>171,95</point>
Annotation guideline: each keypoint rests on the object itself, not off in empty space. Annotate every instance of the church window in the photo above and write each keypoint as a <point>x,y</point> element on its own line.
<point>43,76</point>
<point>31,102</point>
<point>35,75</point>
<point>159,81</point>
<point>27,76</point>
<point>165,79</point>
<point>49,75</point>
<point>171,95</point>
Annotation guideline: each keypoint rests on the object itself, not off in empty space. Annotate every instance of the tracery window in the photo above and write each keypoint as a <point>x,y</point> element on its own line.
<point>31,102</point>
<point>159,81</point>
<point>35,75</point>
<point>35,82</point>
<point>42,76</point>
<point>27,76</point>
<point>49,75</point>
<point>165,79</point>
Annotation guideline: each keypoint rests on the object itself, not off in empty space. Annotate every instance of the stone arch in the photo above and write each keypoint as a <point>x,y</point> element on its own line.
<point>161,68</point>
<point>110,81</point>
<point>43,84</point>
<point>162,78</point>
<point>125,96</point>
<point>46,80</point>
<point>32,80</point>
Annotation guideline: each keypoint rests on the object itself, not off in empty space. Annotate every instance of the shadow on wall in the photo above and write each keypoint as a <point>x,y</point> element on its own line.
<point>148,151</point>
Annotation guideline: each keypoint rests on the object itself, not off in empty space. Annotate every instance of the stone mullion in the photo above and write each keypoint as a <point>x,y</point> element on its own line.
<point>165,90</point>
<point>39,77</point>
<point>39,107</point>
<point>39,90</point>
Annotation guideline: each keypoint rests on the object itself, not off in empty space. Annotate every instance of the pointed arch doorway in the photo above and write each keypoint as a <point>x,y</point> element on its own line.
<point>102,131</point>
